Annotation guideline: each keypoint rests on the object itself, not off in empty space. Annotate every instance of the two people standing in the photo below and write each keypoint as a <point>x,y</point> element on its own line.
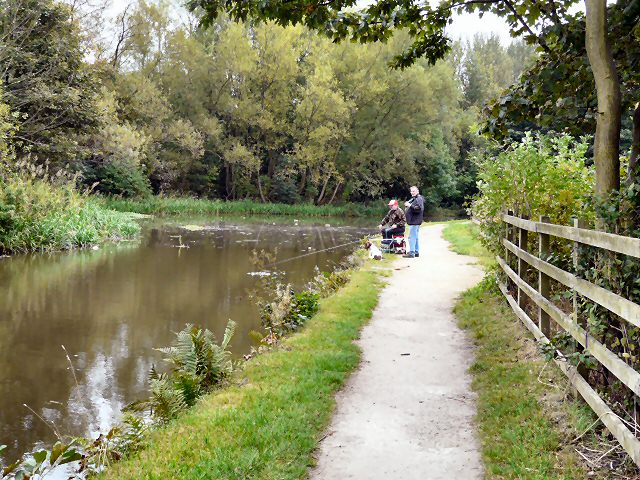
<point>394,222</point>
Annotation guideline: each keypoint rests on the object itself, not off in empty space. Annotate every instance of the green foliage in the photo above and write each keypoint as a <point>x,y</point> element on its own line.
<point>306,305</point>
<point>287,311</point>
<point>44,211</point>
<point>158,205</point>
<point>325,283</point>
<point>198,364</point>
<point>42,462</point>
<point>558,91</point>
<point>119,441</point>
<point>47,85</point>
<point>380,20</point>
<point>538,176</point>
<point>116,179</point>
<point>562,346</point>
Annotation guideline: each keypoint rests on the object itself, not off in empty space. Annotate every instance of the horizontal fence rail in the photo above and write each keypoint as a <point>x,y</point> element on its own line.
<point>517,230</point>
<point>607,241</point>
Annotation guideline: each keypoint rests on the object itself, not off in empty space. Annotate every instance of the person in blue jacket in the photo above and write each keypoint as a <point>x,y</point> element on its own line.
<point>415,215</point>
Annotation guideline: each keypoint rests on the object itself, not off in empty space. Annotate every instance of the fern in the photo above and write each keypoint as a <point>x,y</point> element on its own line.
<point>198,364</point>
<point>166,402</point>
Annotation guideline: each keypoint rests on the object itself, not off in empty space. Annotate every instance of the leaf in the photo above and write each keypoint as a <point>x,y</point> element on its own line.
<point>70,455</point>
<point>228,333</point>
<point>40,456</point>
<point>57,450</point>
<point>10,468</point>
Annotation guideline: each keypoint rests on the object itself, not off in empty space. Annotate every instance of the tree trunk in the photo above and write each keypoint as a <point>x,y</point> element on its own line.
<point>303,181</point>
<point>324,189</point>
<point>635,147</point>
<point>271,167</point>
<point>335,191</point>
<point>607,139</point>
<point>260,189</point>
<point>227,179</point>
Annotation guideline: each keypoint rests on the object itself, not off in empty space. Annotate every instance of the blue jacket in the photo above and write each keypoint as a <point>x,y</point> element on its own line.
<point>415,211</point>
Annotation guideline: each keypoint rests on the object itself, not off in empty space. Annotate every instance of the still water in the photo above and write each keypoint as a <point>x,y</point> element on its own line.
<point>111,307</point>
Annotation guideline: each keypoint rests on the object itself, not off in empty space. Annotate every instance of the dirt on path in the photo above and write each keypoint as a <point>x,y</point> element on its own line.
<point>408,411</point>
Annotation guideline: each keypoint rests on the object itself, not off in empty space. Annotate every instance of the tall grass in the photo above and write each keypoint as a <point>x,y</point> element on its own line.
<point>160,205</point>
<point>38,212</point>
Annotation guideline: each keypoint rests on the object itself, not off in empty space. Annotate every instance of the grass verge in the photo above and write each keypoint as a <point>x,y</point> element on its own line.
<point>463,237</point>
<point>158,205</point>
<point>525,425</point>
<point>267,424</point>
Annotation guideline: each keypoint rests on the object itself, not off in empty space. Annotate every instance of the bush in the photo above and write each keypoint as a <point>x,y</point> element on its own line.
<point>128,181</point>
<point>541,175</point>
<point>39,211</point>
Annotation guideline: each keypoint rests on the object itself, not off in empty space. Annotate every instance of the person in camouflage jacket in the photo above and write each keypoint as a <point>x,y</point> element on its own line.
<point>394,221</point>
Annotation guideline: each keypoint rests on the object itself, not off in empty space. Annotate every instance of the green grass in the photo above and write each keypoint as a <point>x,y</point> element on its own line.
<point>463,237</point>
<point>158,205</point>
<point>36,215</point>
<point>525,426</point>
<point>268,423</point>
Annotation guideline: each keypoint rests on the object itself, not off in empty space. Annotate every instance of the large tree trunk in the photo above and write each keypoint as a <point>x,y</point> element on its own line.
<point>635,147</point>
<point>607,139</point>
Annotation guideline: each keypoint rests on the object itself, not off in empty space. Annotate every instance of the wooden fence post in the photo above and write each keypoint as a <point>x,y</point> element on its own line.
<point>575,254</point>
<point>577,223</point>
<point>509,237</point>
<point>523,238</point>
<point>543,280</point>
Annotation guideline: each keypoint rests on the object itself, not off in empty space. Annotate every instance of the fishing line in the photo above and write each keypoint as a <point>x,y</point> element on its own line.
<point>312,253</point>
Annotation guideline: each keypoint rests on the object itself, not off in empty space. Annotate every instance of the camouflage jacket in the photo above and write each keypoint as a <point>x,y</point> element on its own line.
<point>394,216</point>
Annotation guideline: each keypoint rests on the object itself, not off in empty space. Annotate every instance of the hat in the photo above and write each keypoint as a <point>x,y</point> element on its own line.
<point>393,202</point>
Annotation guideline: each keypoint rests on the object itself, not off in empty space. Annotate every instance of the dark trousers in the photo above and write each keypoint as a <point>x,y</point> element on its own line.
<point>389,232</point>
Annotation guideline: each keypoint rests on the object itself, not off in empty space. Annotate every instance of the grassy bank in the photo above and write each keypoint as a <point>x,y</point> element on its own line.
<point>463,237</point>
<point>158,205</point>
<point>36,215</point>
<point>526,426</point>
<point>268,423</point>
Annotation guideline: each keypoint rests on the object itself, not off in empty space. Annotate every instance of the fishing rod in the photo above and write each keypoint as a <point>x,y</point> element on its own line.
<point>312,253</point>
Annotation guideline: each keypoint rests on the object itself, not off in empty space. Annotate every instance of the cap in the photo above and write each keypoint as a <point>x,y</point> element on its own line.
<point>393,202</point>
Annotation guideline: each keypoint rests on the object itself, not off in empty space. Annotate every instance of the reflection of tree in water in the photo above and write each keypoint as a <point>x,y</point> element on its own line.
<point>111,307</point>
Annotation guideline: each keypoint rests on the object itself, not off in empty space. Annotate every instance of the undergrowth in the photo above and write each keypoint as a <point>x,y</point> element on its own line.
<point>43,211</point>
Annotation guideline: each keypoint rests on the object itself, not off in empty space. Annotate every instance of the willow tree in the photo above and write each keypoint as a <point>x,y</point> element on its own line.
<point>426,23</point>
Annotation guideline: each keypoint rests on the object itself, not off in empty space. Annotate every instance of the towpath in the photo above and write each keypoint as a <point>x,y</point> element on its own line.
<point>408,411</point>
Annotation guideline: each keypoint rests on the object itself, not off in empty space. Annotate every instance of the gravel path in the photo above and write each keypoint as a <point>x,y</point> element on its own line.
<point>408,412</point>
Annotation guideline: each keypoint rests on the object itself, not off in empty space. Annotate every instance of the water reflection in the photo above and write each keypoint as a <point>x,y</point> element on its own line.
<point>111,307</point>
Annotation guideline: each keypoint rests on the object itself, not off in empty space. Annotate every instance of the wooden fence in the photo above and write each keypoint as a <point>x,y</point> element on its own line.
<point>516,241</point>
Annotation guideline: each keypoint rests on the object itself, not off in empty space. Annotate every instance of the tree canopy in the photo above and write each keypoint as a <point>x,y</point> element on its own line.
<point>148,102</point>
